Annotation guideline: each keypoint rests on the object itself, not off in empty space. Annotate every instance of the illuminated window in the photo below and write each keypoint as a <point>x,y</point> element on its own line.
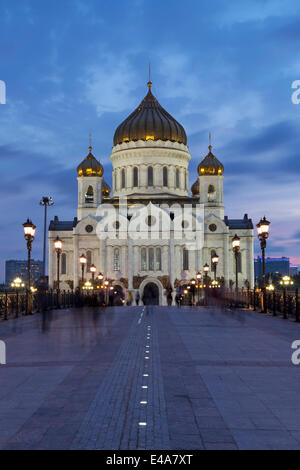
<point>63,269</point>
<point>158,259</point>
<point>116,259</point>
<point>143,259</point>
<point>135,177</point>
<point>150,176</point>
<point>165,176</point>
<point>89,195</point>
<point>151,259</point>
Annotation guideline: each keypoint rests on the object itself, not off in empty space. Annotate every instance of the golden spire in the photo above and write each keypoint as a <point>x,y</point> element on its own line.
<point>149,81</point>
<point>209,147</point>
<point>90,147</point>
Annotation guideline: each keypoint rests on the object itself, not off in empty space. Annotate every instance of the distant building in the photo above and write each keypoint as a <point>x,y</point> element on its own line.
<point>273,266</point>
<point>14,268</point>
<point>294,270</point>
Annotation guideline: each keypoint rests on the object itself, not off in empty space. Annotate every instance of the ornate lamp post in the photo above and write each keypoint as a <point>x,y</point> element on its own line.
<point>236,243</point>
<point>58,248</point>
<point>93,269</point>
<point>199,277</point>
<point>29,233</point>
<point>193,282</point>
<point>263,233</point>
<point>205,269</point>
<point>46,201</point>
<point>100,276</point>
<point>82,261</point>
<point>215,260</point>
<point>106,284</point>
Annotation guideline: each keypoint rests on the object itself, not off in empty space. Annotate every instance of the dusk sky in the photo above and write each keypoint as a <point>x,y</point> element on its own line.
<point>75,67</point>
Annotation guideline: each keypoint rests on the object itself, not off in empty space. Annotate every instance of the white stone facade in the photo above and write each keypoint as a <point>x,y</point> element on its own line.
<point>134,263</point>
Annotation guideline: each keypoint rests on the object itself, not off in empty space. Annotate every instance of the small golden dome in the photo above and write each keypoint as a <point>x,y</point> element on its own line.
<point>90,166</point>
<point>105,188</point>
<point>210,165</point>
<point>195,189</point>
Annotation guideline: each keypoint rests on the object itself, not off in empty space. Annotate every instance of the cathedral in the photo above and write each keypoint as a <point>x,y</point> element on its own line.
<point>158,236</point>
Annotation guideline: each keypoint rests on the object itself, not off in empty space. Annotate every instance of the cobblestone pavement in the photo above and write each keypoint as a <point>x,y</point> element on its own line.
<point>149,378</point>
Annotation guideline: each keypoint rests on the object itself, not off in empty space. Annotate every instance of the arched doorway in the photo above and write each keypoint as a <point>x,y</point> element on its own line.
<point>151,294</point>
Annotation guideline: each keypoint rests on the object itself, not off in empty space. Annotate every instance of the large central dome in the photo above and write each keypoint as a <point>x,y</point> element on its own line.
<point>150,121</point>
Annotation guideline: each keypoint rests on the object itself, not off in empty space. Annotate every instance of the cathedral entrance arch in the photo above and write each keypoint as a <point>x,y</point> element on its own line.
<point>151,294</point>
<point>151,291</point>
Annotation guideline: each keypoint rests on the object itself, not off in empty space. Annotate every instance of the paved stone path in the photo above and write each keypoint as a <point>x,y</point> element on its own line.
<point>149,378</point>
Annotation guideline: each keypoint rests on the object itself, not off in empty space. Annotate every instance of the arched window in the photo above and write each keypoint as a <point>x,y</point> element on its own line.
<point>63,269</point>
<point>177,178</point>
<point>185,263</point>
<point>150,176</point>
<point>165,176</point>
<point>151,259</point>
<point>116,259</point>
<point>143,259</point>
<point>89,259</point>
<point>89,195</point>
<point>211,193</point>
<point>135,177</point>
<point>158,259</point>
<point>123,178</point>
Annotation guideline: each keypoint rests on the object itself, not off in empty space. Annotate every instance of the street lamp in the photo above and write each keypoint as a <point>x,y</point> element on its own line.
<point>93,269</point>
<point>46,201</point>
<point>236,243</point>
<point>17,284</point>
<point>215,260</point>
<point>29,233</point>
<point>193,282</point>
<point>199,277</point>
<point>263,233</point>
<point>58,248</point>
<point>100,276</point>
<point>82,261</point>
<point>106,284</point>
<point>205,269</point>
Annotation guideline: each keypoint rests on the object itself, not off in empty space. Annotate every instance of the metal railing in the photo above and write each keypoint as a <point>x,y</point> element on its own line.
<point>13,305</point>
<point>280,302</point>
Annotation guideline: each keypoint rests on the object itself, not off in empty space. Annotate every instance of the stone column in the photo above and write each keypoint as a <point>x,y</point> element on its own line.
<point>226,260</point>
<point>75,261</point>
<point>130,263</point>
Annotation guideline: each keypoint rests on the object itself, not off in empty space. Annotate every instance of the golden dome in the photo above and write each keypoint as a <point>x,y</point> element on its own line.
<point>105,188</point>
<point>150,121</point>
<point>210,165</point>
<point>195,189</point>
<point>90,166</point>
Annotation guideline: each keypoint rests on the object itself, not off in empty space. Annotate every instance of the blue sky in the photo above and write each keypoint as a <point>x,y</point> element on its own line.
<point>75,67</point>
